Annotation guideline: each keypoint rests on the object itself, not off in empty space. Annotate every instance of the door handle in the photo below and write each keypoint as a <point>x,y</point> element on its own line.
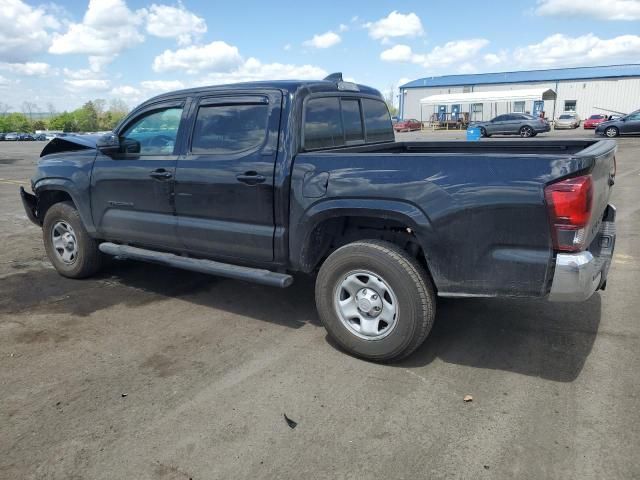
<point>251,178</point>
<point>161,174</point>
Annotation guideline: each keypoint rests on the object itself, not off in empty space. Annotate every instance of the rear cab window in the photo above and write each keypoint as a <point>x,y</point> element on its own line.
<point>335,121</point>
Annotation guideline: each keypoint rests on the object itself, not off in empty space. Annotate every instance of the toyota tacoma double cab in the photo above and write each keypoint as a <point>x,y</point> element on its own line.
<point>258,181</point>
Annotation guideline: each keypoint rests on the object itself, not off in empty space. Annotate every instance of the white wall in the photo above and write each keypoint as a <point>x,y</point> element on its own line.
<point>621,95</point>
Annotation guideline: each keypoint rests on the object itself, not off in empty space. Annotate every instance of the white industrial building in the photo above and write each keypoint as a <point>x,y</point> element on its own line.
<point>613,89</point>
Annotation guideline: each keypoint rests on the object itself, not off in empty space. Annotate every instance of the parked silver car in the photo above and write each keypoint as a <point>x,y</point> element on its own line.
<point>567,120</point>
<point>513,124</point>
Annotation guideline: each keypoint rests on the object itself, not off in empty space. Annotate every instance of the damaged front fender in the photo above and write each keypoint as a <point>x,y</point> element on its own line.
<point>70,143</point>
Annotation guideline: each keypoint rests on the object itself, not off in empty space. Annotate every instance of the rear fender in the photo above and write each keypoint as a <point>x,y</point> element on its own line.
<point>405,213</point>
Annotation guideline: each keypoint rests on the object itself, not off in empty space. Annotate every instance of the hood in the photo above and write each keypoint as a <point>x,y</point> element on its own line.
<point>70,143</point>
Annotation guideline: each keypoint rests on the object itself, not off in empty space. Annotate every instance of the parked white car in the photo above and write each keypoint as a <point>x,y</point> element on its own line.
<point>567,120</point>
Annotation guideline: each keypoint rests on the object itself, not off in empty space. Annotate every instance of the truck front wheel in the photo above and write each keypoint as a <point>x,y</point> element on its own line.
<point>70,249</point>
<point>375,300</point>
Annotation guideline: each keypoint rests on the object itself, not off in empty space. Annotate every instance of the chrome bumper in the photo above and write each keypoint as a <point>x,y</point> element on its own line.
<point>578,275</point>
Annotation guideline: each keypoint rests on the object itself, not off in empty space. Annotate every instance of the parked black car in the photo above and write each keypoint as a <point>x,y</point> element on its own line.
<point>513,124</point>
<point>257,181</point>
<point>2,137</point>
<point>26,137</point>
<point>628,124</point>
<point>41,137</point>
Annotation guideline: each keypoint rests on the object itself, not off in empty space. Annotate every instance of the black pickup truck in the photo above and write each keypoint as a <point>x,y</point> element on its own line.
<point>257,181</point>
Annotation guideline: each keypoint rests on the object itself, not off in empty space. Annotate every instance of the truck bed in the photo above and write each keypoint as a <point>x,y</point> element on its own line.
<point>477,207</point>
<point>502,147</point>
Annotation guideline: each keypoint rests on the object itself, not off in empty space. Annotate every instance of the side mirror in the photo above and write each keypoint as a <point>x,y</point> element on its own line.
<point>109,144</point>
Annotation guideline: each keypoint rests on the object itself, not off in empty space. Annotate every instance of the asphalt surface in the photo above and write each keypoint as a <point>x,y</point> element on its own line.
<point>151,373</point>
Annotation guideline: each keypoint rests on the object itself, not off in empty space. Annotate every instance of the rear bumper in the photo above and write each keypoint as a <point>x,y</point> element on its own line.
<point>30,203</point>
<point>578,275</point>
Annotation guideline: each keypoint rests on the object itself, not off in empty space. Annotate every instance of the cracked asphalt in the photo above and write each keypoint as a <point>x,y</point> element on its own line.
<point>147,372</point>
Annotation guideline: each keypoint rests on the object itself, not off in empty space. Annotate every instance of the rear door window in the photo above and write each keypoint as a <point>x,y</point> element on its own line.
<point>224,129</point>
<point>377,121</point>
<point>323,123</point>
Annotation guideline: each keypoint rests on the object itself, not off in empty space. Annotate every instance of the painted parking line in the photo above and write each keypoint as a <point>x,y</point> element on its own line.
<point>8,181</point>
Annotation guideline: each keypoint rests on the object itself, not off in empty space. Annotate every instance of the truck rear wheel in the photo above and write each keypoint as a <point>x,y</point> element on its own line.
<point>375,300</point>
<point>70,249</point>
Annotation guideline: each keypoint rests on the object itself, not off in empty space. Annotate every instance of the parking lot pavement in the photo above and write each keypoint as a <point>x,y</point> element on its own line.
<point>147,372</point>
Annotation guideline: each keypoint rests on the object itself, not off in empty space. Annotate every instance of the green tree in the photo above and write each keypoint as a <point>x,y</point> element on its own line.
<point>64,121</point>
<point>15,122</point>
<point>87,117</point>
<point>39,125</point>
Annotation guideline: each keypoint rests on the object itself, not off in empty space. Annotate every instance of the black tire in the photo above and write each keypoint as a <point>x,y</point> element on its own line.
<point>411,286</point>
<point>611,132</point>
<point>483,132</point>
<point>526,131</point>
<point>88,259</point>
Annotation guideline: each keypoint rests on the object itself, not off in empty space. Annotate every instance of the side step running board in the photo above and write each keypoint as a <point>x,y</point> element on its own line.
<point>256,275</point>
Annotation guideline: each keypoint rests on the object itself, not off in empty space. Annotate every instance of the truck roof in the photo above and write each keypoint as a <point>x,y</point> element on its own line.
<point>289,86</point>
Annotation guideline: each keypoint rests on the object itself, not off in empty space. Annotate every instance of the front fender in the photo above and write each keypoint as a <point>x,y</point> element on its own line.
<point>79,196</point>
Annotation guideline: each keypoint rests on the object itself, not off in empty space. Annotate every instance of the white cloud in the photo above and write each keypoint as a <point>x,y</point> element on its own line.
<point>88,84</point>
<point>397,53</point>
<point>98,62</point>
<point>492,59</point>
<point>562,50</point>
<point>108,27</point>
<point>24,30</point>
<point>254,70</point>
<point>4,81</point>
<point>600,9</point>
<point>323,40</point>
<point>396,25</point>
<point>125,91</point>
<point>175,22</point>
<point>343,28</point>
<point>450,53</point>
<point>287,47</point>
<point>162,85</point>
<point>218,55</point>
<point>454,52</point>
<point>38,69</point>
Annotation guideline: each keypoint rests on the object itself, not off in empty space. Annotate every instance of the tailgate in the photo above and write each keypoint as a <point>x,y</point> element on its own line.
<point>603,174</point>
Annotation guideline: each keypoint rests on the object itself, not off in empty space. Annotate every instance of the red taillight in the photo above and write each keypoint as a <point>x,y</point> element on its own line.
<point>569,204</point>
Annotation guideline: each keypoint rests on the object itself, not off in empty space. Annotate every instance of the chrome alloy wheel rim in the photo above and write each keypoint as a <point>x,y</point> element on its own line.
<point>366,305</point>
<point>526,132</point>
<point>610,132</point>
<point>64,242</point>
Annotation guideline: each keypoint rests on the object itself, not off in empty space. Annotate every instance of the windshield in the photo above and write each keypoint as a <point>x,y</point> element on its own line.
<point>566,117</point>
<point>596,117</point>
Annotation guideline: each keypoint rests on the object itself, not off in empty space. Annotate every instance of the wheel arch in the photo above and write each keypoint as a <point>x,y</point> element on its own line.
<point>54,190</point>
<point>330,224</point>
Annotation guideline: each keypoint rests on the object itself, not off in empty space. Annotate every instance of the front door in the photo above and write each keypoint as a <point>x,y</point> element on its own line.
<point>631,124</point>
<point>131,191</point>
<point>224,183</point>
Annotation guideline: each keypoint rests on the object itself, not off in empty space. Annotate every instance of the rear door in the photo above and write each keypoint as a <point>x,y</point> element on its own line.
<point>224,184</point>
<point>131,191</point>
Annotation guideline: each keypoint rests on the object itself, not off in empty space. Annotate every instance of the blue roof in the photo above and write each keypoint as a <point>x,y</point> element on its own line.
<point>550,75</point>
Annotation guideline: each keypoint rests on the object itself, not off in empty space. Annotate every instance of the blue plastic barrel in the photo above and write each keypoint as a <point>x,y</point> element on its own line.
<point>473,134</point>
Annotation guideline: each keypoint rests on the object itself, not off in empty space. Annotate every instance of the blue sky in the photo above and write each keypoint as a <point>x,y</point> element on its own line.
<point>59,55</point>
